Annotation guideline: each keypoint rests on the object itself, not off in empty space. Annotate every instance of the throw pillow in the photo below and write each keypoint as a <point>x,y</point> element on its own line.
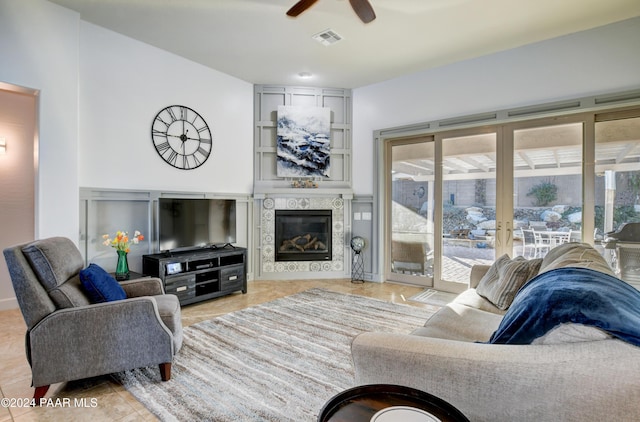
<point>575,255</point>
<point>572,333</point>
<point>100,285</point>
<point>505,277</point>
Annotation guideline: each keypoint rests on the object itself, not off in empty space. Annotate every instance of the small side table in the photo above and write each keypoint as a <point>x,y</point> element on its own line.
<point>357,268</point>
<point>132,275</point>
<point>360,404</point>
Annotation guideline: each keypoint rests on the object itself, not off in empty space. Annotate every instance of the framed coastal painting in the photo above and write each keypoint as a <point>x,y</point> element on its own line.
<point>303,146</point>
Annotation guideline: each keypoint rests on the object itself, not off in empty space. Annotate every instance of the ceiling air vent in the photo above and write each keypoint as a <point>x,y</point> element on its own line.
<point>327,37</point>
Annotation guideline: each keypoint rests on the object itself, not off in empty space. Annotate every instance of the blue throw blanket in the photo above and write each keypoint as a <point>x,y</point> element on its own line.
<point>577,295</point>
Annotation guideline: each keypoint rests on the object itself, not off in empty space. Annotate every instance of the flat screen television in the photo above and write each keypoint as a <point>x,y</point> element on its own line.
<point>186,223</point>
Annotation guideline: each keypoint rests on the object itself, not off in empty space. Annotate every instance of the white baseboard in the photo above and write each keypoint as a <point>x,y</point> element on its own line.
<point>10,303</point>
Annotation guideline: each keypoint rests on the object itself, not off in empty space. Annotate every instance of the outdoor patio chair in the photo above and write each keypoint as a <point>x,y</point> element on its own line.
<point>537,225</point>
<point>533,244</point>
<point>408,257</point>
<point>560,238</point>
<point>528,243</point>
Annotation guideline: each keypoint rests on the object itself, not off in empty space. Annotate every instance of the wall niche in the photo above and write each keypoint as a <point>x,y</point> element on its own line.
<point>267,100</point>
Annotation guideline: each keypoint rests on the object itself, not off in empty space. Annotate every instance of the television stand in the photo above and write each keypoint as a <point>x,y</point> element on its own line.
<point>199,274</point>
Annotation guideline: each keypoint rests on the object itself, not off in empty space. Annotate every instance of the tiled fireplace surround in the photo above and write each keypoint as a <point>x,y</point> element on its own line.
<point>273,192</point>
<point>289,269</point>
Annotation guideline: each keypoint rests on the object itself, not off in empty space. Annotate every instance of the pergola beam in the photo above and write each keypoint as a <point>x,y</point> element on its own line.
<point>525,157</point>
<point>475,163</point>
<point>449,164</point>
<point>556,158</point>
<point>628,148</point>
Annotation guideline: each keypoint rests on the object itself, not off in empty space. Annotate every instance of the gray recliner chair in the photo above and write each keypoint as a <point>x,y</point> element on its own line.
<point>69,338</point>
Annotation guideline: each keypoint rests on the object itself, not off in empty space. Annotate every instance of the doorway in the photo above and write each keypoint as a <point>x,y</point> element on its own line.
<point>18,132</point>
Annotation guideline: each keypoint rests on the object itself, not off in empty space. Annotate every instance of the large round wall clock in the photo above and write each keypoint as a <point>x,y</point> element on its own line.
<point>181,137</point>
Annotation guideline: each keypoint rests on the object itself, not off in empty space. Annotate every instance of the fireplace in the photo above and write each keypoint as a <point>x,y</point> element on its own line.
<point>303,235</point>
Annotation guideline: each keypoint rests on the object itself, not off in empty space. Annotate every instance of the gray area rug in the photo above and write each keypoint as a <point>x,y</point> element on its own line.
<point>279,361</point>
<point>433,297</point>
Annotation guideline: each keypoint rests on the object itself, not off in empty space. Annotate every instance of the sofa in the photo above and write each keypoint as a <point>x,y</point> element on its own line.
<point>574,372</point>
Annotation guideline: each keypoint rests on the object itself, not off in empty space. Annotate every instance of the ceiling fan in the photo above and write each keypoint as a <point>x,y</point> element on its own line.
<point>362,8</point>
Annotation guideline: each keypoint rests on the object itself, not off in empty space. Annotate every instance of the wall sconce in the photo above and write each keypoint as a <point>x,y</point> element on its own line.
<point>3,146</point>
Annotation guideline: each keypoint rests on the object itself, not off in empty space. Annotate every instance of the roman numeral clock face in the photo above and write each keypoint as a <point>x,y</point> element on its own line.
<point>181,137</point>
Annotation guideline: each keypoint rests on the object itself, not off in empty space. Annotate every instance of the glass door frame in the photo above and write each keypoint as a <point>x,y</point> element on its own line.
<point>504,185</point>
<point>438,282</point>
<point>588,169</point>
<point>589,110</point>
<point>389,275</point>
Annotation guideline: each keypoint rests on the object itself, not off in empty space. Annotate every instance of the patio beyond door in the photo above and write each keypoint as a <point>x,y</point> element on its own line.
<point>461,198</point>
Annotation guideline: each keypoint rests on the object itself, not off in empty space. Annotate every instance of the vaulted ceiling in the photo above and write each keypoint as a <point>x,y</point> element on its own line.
<point>255,41</point>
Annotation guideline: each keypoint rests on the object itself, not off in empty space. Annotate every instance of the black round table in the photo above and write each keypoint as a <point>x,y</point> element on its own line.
<point>360,404</point>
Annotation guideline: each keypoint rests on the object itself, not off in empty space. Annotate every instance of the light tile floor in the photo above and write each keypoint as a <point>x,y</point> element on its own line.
<point>102,398</point>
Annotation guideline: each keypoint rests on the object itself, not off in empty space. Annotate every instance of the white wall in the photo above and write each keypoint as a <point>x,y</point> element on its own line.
<point>124,84</point>
<point>39,50</point>
<point>601,60</point>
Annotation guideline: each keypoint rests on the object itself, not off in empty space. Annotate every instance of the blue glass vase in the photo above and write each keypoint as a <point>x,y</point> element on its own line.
<point>122,267</point>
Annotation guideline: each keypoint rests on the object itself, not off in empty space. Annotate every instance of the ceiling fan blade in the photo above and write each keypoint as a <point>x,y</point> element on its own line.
<point>300,7</point>
<point>363,9</point>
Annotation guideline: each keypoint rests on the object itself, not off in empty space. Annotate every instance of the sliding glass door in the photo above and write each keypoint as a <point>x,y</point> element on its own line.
<point>410,210</point>
<point>456,198</point>
<point>617,189</point>
<point>464,197</point>
<point>547,186</point>
<point>468,204</point>
<point>440,208</point>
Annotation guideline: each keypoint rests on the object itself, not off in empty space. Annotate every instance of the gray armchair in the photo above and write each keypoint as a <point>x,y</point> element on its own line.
<point>69,338</point>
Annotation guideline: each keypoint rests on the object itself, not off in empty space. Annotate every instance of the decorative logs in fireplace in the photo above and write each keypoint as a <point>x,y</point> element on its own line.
<point>302,243</point>
<point>303,235</point>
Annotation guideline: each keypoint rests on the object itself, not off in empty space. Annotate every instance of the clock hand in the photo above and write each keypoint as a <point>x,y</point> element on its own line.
<point>184,137</point>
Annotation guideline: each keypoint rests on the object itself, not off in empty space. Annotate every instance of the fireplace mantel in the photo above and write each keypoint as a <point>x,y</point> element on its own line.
<point>304,193</point>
